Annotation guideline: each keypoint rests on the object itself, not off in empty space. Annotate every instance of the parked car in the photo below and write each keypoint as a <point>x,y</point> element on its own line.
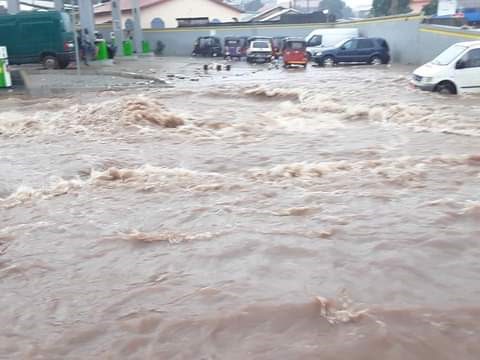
<point>455,70</point>
<point>255,38</point>
<point>259,51</point>
<point>38,37</point>
<point>373,51</point>
<point>294,52</point>
<point>207,46</point>
<point>321,38</point>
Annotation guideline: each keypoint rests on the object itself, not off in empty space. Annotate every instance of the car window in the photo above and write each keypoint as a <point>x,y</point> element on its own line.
<point>350,45</point>
<point>365,44</point>
<point>316,40</point>
<point>261,44</point>
<point>472,58</point>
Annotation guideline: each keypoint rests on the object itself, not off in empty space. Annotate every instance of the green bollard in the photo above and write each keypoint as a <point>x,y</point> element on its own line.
<point>102,52</point>
<point>3,80</point>
<point>145,47</point>
<point>127,48</point>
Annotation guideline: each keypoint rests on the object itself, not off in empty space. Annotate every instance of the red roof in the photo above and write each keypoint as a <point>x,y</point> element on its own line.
<point>127,5</point>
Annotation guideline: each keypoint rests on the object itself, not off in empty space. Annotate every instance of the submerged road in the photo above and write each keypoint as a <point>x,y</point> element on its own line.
<point>260,213</point>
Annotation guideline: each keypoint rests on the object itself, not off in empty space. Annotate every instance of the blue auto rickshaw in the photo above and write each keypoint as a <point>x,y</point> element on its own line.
<point>235,47</point>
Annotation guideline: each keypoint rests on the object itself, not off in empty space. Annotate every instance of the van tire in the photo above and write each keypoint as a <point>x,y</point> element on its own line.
<point>50,62</point>
<point>446,88</point>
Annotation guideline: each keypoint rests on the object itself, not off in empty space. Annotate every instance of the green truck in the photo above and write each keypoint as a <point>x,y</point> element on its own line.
<point>38,37</point>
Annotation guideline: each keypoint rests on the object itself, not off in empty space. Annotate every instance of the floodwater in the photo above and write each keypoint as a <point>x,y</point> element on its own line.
<point>266,214</point>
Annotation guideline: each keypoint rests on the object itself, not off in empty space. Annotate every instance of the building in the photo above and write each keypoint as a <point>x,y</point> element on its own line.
<point>164,13</point>
<point>417,5</point>
<point>273,14</point>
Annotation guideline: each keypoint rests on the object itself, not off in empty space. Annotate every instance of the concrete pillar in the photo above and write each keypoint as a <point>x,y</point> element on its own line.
<point>137,27</point>
<point>117,24</point>
<point>59,5</point>
<point>87,20</point>
<point>13,6</point>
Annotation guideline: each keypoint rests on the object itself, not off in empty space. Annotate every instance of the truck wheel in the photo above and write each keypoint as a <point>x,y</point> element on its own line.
<point>50,62</point>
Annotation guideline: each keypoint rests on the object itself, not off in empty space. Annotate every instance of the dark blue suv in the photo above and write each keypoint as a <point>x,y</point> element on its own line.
<point>357,50</point>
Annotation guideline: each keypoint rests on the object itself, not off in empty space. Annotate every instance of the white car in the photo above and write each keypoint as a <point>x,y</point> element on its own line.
<point>454,71</point>
<point>259,51</point>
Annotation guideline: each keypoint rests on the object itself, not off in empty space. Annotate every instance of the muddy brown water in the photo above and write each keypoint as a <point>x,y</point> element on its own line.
<point>326,214</point>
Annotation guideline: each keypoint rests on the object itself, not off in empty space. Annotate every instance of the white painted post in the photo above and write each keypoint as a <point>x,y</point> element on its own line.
<point>13,6</point>
<point>137,27</point>
<point>117,25</point>
<point>87,20</point>
<point>59,6</point>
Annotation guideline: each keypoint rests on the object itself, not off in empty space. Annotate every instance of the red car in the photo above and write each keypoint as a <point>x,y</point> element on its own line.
<point>294,52</point>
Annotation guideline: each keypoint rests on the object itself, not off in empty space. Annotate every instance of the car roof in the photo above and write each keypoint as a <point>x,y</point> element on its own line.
<point>259,38</point>
<point>474,43</point>
<point>294,39</point>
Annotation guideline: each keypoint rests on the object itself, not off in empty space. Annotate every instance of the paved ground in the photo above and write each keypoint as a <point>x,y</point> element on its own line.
<point>147,72</point>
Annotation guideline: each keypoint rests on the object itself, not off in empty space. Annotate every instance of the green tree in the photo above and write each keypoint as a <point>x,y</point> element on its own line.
<point>334,7</point>
<point>390,7</point>
<point>431,8</point>
<point>380,7</point>
<point>347,12</point>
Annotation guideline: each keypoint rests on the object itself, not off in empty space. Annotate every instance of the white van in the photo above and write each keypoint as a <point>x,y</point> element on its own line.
<point>454,71</point>
<point>322,38</point>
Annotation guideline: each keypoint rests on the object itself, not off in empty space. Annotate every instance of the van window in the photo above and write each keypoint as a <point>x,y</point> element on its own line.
<point>472,58</point>
<point>365,44</point>
<point>316,40</point>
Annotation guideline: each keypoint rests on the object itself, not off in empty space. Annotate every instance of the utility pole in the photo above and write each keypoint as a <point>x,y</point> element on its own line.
<point>87,21</point>
<point>13,6</point>
<point>59,5</point>
<point>137,27</point>
<point>117,24</point>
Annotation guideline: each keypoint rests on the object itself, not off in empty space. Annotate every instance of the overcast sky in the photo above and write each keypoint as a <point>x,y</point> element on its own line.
<point>352,3</point>
<point>357,3</point>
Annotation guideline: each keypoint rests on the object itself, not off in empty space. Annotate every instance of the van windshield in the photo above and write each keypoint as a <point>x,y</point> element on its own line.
<point>449,55</point>
<point>67,25</point>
